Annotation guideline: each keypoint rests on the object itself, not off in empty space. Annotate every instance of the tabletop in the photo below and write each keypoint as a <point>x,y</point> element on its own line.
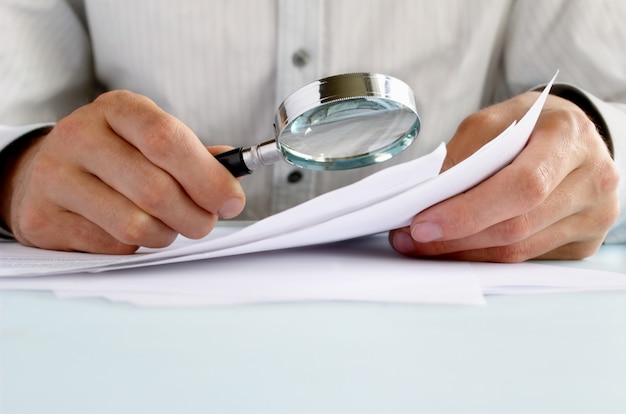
<point>537,353</point>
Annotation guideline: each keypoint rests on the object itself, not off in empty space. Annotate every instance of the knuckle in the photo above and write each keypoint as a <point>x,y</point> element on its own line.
<point>478,121</point>
<point>513,253</point>
<point>69,131</point>
<point>572,120</point>
<point>583,124</point>
<point>112,98</point>
<point>202,227</point>
<point>589,138</point>
<point>30,226</point>
<point>162,137</point>
<point>533,185</point>
<point>607,178</point>
<point>156,188</point>
<point>136,230</point>
<point>141,229</point>
<point>514,230</point>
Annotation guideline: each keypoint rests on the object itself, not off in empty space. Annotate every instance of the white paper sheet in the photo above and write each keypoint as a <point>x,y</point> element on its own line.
<point>364,269</point>
<point>524,278</point>
<point>381,202</point>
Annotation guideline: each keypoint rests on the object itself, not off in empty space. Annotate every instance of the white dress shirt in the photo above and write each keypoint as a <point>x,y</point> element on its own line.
<point>223,66</point>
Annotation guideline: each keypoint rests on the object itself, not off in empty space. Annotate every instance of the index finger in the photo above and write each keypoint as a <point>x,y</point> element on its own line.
<point>171,145</point>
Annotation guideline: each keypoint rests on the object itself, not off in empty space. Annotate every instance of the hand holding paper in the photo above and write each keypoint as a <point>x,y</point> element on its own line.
<point>556,200</point>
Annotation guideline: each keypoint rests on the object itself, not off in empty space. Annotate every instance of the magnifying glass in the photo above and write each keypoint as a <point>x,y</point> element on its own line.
<point>336,123</point>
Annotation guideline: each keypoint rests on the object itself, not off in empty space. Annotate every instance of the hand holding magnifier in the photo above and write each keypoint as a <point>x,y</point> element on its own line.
<point>336,123</point>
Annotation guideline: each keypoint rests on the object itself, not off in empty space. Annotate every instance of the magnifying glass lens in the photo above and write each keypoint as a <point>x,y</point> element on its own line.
<point>336,123</point>
<point>349,133</point>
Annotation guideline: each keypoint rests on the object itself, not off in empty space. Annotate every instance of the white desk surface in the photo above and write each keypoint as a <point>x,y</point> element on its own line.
<point>551,353</point>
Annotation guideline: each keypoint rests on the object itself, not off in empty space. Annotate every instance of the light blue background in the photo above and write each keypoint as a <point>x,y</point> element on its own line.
<point>551,353</point>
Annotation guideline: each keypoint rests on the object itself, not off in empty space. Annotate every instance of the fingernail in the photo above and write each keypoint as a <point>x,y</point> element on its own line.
<point>231,208</point>
<point>403,243</point>
<point>426,231</point>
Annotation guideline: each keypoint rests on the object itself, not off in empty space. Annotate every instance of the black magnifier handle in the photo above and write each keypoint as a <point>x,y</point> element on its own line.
<point>243,160</point>
<point>233,160</point>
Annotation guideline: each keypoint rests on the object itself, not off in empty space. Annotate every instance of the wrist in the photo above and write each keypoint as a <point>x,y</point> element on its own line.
<point>577,97</point>
<point>13,160</point>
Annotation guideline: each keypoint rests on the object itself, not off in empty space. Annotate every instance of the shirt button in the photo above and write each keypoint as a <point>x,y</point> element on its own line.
<point>294,177</point>
<point>300,58</point>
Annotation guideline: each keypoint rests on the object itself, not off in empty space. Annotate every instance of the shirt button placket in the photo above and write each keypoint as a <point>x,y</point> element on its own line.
<point>299,47</point>
<point>294,176</point>
<point>300,58</point>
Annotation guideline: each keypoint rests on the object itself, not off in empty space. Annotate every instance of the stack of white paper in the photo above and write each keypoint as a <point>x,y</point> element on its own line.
<point>365,269</point>
<point>531,277</point>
